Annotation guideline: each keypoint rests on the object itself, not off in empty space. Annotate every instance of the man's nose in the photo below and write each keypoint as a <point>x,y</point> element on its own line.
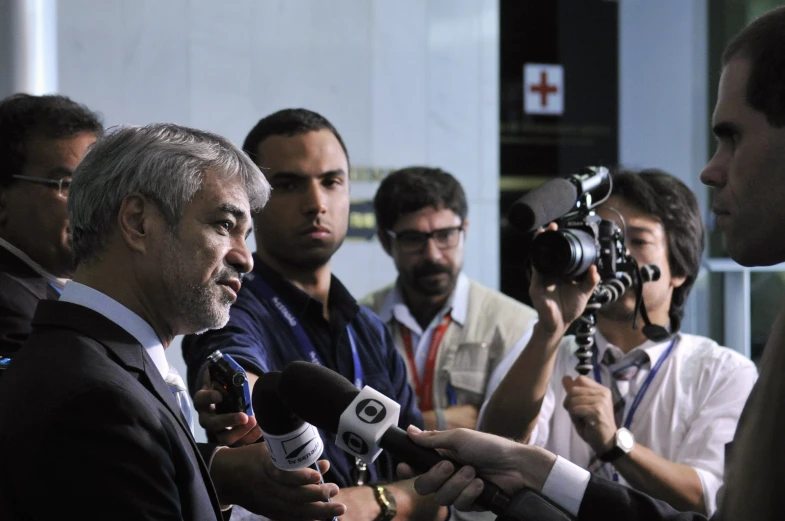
<point>239,256</point>
<point>432,250</point>
<point>316,200</point>
<point>714,174</point>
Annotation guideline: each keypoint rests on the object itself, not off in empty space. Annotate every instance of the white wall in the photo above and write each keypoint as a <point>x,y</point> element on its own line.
<point>405,82</point>
<point>663,114</point>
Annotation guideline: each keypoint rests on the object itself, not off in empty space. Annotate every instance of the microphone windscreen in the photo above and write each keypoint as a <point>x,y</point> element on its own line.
<point>273,415</point>
<point>542,205</point>
<point>316,394</point>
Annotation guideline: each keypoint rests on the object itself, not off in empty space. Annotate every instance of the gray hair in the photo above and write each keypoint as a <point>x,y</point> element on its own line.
<point>164,162</point>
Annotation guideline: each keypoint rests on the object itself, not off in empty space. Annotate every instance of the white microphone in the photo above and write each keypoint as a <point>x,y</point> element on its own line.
<point>293,443</point>
<point>363,423</point>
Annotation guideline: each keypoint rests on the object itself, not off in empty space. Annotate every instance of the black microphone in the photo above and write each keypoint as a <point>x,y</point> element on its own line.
<point>293,443</point>
<point>556,197</point>
<point>542,205</point>
<point>320,395</point>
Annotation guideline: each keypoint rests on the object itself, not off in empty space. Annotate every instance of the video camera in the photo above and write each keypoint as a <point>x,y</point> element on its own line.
<point>583,238</point>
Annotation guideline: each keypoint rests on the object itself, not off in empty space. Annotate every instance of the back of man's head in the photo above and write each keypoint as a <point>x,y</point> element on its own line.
<point>671,201</point>
<point>762,43</point>
<point>164,162</point>
<point>23,117</point>
<point>288,123</point>
<point>411,189</point>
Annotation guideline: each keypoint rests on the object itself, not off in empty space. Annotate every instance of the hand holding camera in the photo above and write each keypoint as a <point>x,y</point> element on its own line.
<point>224,402</point>
<point>558,302</point>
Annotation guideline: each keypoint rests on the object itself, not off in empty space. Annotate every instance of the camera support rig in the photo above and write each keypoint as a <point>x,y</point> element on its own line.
<point>606,292</point>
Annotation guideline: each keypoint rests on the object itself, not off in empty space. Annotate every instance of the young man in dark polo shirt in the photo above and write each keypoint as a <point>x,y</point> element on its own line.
<point>291,307</point>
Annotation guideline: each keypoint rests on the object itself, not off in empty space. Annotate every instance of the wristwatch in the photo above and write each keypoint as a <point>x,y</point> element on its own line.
<point>623,442</point>
<point>386,502</point>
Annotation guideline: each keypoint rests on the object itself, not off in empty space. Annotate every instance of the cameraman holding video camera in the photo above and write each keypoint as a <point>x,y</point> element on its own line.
<point>653,414</point>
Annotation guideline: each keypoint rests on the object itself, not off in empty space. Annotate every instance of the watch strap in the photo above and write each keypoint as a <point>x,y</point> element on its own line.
<point>618,450</point>
<point>612,455</point>
<point>386,502</point>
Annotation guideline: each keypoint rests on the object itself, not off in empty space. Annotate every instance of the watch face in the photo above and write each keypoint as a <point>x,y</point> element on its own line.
<point>625,440</point>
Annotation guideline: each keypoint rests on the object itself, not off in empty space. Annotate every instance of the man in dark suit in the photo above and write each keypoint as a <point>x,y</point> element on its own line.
<point>747,174</point>
<point>159,216</point>
<point>42,140</point>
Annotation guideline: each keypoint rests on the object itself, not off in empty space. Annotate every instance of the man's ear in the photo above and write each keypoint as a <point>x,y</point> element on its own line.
<point>465,225</point>
<point>134,220</point>
<point>385,240</point>
<point>677,281</point>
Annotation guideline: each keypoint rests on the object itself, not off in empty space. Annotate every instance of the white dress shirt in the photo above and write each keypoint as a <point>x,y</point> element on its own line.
<point>688,414</point>
<point>137,327</point>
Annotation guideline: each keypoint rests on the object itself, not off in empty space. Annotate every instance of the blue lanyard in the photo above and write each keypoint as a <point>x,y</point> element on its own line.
<point>451,395</point>
<point>642,391</point>
<point>58,290</point>
<point>307,350</point>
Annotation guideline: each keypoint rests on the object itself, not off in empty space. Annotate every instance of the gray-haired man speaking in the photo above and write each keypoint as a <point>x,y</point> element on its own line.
<point>159,216</point>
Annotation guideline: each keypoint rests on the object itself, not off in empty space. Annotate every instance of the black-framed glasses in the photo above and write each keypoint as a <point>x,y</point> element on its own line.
<point>62,184</point>
<point>410,241</point>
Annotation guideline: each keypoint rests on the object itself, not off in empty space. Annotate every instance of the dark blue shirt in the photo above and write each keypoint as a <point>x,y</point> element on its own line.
<point>260,339</point>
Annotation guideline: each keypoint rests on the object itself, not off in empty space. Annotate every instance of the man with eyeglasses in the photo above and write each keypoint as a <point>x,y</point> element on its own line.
<point>451,331</point>
<point>42,140</point>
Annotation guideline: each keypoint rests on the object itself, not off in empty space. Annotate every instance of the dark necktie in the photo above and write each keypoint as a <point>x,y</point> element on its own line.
<point>622,371</point>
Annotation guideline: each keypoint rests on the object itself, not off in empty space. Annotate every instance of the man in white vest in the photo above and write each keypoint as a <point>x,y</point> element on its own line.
<point>450,330</point>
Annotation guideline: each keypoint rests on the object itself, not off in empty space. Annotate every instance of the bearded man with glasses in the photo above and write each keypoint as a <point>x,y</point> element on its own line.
<point>42,140</point>
<point>450,330</point>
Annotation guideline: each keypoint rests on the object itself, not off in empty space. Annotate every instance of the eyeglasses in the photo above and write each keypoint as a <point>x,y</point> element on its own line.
<point>62,184</point>
<point>415,242</point>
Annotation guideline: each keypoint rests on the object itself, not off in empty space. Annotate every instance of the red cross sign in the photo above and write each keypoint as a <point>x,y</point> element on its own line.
<point>543,89</point>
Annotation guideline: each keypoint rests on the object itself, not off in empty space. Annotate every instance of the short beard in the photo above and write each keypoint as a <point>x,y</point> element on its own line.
<point>201,312</point>
<point>197,307</point>
<point>431,268</point>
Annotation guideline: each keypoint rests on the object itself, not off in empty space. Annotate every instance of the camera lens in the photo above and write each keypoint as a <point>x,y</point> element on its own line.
<point>563,253</point>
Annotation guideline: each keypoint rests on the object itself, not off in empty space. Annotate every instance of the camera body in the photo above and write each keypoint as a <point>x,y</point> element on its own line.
<point>229,378</point>
<point>580,241</point>
<point>583,238</point>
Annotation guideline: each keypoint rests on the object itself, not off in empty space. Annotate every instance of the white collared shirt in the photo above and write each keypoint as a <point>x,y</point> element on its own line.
<point>135,325</point>
<point>688,414</point>
<point>457,306</point>
<point>57,282</point>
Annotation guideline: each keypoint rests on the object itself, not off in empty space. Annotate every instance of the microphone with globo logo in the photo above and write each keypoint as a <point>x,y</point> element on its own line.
<point>293,443</point>
<point>366,422</point>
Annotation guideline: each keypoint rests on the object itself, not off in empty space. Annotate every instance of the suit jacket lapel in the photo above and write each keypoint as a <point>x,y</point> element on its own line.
<point>158,387</point>
<point>128,353</point>
<point>15,268</point>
